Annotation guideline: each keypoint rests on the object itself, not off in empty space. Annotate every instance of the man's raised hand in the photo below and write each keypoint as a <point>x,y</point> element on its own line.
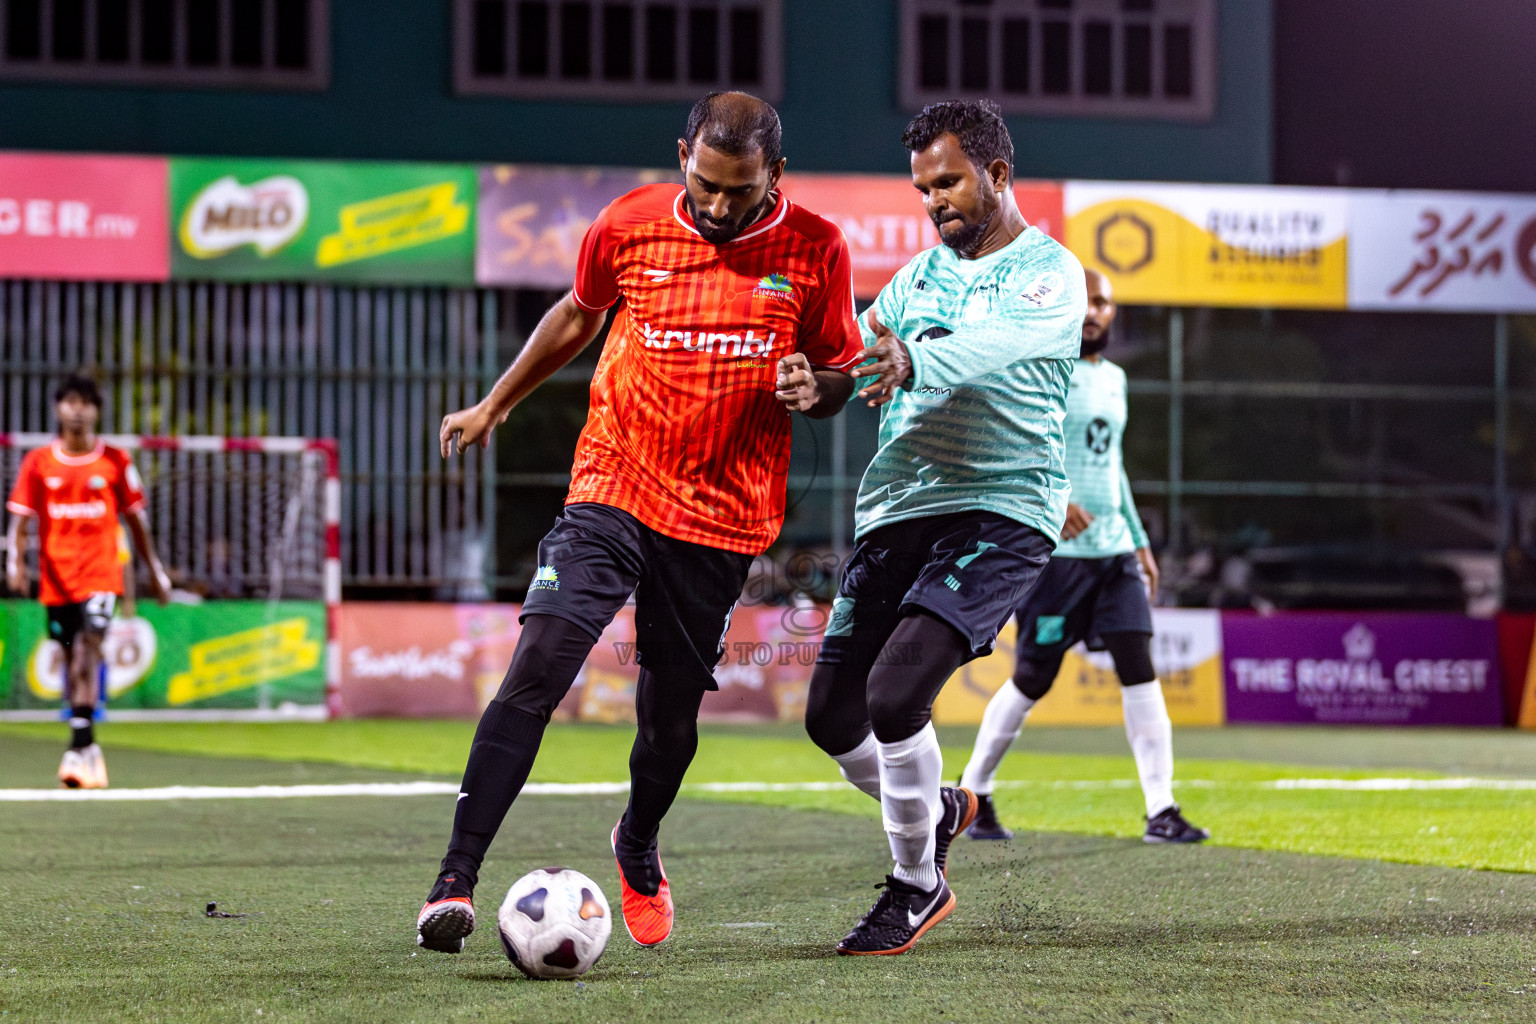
<point>892,366</point>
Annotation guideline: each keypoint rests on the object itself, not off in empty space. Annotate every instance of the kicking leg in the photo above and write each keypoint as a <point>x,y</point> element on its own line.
<point>549,653</point>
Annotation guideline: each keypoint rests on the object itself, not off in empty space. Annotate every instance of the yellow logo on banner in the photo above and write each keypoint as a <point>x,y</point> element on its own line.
<point>390,223</point>
<point>1212,246</point>
<point>1186,651</point>
<point>245,659</point>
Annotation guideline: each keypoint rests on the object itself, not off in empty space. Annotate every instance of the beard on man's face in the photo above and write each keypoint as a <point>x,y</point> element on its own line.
<point>718,232</point>
<point>966,238</point>
<point>1096,345</point>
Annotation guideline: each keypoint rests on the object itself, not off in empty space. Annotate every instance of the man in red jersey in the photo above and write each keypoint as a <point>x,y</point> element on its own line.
<point>735,308</point>
<point>75,489</point>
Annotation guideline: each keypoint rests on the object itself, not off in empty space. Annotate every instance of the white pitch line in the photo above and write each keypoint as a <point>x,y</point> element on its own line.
<point>617,788</point>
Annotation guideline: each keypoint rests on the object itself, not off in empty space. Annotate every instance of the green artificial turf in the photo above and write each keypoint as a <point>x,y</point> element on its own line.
<point>1040,790</point>
<point>105,919</point>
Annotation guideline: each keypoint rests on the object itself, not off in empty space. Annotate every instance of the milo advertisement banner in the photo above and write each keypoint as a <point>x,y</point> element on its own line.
<point>229,654</point>
<point>293,220</point>
<point>1213,245</point>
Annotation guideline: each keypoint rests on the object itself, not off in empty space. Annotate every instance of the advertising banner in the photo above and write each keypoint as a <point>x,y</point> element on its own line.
<point>1458,251</point>
<point>423,660</point>
<point>1186,651</point>
<point>883,219</point>
<point>229,654</point>
<point>1381,669</point>
<point>532,219</point>
<point>1213,245</point>
<point>270,220</point>
<point>84,218</point>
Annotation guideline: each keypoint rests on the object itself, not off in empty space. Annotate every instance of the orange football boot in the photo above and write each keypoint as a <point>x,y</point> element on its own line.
<point>648,918</point>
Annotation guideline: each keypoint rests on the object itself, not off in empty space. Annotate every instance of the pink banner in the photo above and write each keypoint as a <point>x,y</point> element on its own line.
<point>84,218</point>
<point>443,660</point>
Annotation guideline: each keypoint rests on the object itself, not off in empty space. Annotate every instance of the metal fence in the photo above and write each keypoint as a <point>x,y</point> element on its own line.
<point>376,368</point>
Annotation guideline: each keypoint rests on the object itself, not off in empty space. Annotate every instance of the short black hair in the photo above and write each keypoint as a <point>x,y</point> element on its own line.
<point>736,128</point>
<point>78,384</point>
<point>978,124</point>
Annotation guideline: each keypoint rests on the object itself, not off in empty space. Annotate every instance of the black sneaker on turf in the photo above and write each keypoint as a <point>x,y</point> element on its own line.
<point>1169,826</point>
<point>448,916</point>
<point>957,809</point>
<point>898,919</point>
<point>986,825</point>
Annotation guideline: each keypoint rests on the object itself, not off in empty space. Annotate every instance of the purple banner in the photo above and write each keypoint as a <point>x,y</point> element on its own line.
<point>532,219</point>
<point>1370,669</point>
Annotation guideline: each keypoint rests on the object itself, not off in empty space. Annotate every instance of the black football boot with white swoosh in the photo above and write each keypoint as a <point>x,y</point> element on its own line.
<point>900,917</point>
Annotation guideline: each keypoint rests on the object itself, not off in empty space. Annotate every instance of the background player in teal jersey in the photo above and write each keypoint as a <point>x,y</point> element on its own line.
<point>972,346</point>
<point>1098,587</point>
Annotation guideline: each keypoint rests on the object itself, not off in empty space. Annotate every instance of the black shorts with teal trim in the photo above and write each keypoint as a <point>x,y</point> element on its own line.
<point>1082,599</point>
<point>969,569</point>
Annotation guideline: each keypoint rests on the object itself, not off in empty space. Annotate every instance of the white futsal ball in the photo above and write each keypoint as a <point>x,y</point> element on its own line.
<point>554,923</point>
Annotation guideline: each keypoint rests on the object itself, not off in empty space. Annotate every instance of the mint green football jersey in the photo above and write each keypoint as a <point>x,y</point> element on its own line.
<point>979,427</point>
<point>1095,428</point>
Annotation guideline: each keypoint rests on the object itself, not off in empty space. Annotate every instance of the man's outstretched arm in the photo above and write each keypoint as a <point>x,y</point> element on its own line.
<point>138,525</point>
<point>566,329</point>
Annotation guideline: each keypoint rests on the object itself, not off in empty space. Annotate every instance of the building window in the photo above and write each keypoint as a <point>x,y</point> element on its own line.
<point>1114,58</point>
<point>282,44</point>
<point>617,50</point>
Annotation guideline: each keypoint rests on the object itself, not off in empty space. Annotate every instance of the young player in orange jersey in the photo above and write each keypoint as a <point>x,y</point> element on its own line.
<point>735,308</point>
<point>76,488</point>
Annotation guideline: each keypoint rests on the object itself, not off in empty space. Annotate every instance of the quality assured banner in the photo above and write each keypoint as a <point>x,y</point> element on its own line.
<point>265,220</point>
<point>1213,245</point>
<point>882,218</point>
<point>1381,669</point>
<point>532,219</point>
<point>84,218</point>
<point>1455,251</point>
<point>229,654</point>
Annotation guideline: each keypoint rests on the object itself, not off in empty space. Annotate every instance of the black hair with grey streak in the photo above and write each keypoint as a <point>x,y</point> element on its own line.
<point>737,125</point>
<point>977,124</point>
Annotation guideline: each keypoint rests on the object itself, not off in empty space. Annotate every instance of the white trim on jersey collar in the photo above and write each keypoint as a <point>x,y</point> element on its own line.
<point>78,460</point>
<point>781,210</point>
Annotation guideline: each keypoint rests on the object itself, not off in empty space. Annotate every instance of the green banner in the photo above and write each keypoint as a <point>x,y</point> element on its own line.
<point>224,654</point>
<point>288,220</point>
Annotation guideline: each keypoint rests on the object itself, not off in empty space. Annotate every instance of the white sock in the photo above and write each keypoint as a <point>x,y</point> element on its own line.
<point>1000,726</point>
<point>910,773</point>
<point>861,766</point>
<point>1151,735</point>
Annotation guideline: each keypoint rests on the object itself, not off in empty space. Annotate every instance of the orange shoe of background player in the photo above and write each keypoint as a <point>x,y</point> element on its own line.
<point>648,918</point>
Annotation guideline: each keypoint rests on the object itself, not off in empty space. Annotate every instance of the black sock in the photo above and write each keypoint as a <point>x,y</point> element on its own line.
<point>500,759</point>
<point>82,734</point>
<point>665,742</point>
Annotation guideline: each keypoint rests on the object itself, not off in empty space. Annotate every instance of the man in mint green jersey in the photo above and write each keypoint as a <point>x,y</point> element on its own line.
<point>971,351</point>
<point>1096,588</point>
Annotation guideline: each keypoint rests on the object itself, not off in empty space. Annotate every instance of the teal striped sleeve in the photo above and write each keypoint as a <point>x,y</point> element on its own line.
<point>1128,510</point>
<point>1028,326</point>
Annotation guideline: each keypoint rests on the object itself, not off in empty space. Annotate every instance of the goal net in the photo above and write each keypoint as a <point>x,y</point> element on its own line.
<point>233,517</point>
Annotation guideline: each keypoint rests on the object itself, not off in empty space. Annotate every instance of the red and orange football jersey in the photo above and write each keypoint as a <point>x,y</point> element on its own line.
<point>77,499</point>
<point>684,432</point>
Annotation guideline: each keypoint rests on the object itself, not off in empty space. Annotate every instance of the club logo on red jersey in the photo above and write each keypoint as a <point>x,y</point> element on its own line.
<point>725,343</point>
<point>774,286</point>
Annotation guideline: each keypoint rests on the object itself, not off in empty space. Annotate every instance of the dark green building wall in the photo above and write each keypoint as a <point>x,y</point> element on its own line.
<point>391,97</point>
